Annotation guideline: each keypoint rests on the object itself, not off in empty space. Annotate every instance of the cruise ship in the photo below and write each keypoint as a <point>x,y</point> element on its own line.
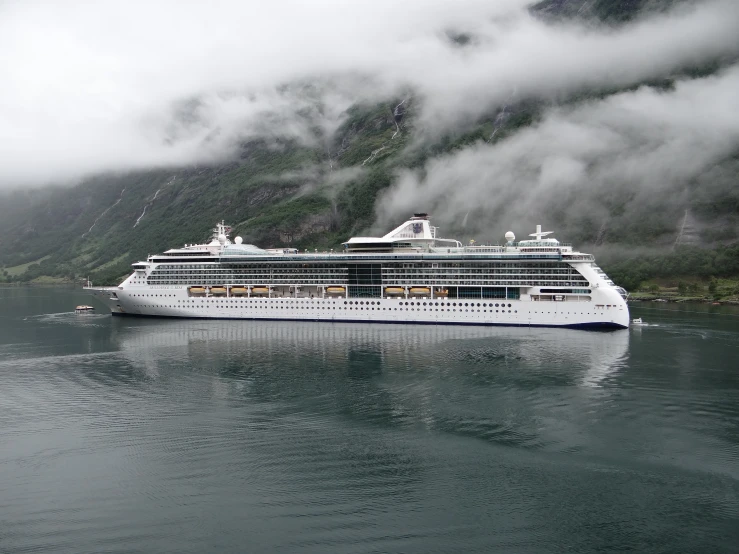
<point>410,275</point>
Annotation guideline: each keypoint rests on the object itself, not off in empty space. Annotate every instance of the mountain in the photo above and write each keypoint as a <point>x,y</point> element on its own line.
<point>314,191</point>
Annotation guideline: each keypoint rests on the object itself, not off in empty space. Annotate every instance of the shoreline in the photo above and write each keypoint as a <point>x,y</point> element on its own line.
<point>683,300</point>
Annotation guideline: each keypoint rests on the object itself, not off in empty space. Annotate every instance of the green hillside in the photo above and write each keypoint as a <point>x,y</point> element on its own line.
<point>284,193</point>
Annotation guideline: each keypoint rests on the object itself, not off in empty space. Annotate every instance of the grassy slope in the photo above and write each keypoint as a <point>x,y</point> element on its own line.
<point>20,269</point>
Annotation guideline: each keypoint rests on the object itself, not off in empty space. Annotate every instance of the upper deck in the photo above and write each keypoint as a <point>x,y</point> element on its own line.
<point>415,239</point>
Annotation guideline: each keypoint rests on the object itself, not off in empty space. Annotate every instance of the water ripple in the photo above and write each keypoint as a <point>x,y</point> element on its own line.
<point>195,436</point>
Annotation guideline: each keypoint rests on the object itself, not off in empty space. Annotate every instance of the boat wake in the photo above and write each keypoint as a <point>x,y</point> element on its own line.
<point>84,319</point>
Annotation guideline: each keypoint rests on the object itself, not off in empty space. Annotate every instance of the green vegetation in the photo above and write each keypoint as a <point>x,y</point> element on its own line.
<point>686,290</point>
<point>283,193</point>
<point>686,272</point>
<point>20,269</point>
<point>280,195</point>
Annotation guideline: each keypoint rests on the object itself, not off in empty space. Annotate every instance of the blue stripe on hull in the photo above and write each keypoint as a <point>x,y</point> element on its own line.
<point>594,326</point>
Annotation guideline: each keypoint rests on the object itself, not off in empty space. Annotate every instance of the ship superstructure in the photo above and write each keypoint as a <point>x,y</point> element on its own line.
<point>407,276</point>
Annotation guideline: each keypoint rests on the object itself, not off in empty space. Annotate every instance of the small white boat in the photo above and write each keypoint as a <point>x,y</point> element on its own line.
<point>84,309</point>
<point>637,321</point>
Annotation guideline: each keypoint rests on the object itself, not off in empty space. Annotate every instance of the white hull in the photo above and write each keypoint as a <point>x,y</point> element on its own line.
<point>606,309</point>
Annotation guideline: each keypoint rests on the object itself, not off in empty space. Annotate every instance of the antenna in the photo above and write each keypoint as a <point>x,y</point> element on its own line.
<point>538,235</point>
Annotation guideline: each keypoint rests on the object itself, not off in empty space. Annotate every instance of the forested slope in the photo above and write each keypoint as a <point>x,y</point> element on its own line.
<point>380,164</point>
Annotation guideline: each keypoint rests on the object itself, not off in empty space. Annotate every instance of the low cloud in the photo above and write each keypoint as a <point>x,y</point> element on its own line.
<point>91,87</point>
<point>639,152</point>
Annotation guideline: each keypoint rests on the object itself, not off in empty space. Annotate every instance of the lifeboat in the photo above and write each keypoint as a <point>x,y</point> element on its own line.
<point>260,291</point>
<point>441,293</point>
<point>84,309</point>
<point>196,291</point>
<point>394,291</point>
<point>238,291</point>
<point>420,291</point>
<point>218,291</point>
<point>335,290</point>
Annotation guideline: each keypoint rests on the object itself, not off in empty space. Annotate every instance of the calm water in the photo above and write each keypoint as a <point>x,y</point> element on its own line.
<point>127,435</point>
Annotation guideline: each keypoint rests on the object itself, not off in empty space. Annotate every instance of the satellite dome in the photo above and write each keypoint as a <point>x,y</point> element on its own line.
<point>222,238</point>
<point>238,240</point>
<point>510,237</point>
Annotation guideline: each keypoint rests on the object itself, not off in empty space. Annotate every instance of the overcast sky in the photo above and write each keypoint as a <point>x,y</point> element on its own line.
<point>92,86</point>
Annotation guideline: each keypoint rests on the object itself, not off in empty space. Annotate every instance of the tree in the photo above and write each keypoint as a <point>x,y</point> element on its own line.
<point>713,287</point>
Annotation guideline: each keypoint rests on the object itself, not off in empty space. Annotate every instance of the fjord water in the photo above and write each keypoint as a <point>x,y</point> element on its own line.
<point>137,435</point>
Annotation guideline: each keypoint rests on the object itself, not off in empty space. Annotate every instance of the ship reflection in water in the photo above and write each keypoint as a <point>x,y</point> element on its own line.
<point>588,358</point>
<point>506,386</point>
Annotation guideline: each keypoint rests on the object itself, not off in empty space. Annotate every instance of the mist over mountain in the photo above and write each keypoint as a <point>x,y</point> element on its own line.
<point>128,129</point>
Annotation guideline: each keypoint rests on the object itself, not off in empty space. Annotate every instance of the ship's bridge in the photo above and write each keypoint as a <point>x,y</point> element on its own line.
<point>543,242</point>
<point>416,233</point>
<point>240,249</point>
